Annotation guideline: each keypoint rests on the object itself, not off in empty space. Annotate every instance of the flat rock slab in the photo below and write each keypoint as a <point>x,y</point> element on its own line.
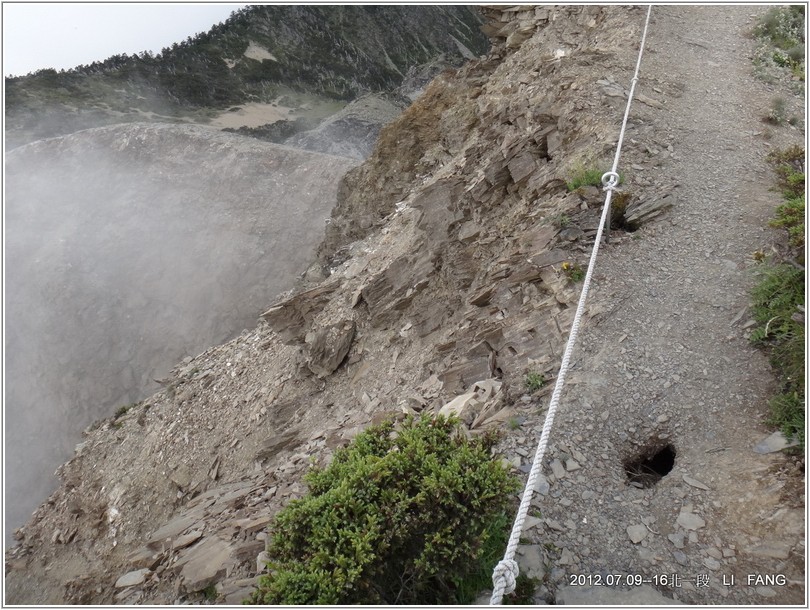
<point>171,530</point>
<point>645,595</point>
<point>130,579</point>
<point>694,482</point>
<point>771,549</point>
<point>328,347</point>
<point>206,563</point>
<point>637,533</point>
<point>530,560</point>
<point>773,443</point>
<point>690,521</point>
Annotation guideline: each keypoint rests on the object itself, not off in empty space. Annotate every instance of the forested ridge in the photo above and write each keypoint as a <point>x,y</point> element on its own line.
<point>333,52</point>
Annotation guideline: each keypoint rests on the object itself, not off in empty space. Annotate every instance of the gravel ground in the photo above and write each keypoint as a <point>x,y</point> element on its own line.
<point>664,363</point>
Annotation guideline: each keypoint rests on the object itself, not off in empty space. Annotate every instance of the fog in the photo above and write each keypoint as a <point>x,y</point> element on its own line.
<point>127,249</point>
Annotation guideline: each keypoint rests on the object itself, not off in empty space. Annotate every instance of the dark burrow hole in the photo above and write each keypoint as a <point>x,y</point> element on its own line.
<point>650,466</point>
<point>617,213</point>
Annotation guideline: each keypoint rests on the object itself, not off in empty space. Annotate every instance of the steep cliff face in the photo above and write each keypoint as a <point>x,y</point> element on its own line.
<point>439,269</point>
<point>257,55</point>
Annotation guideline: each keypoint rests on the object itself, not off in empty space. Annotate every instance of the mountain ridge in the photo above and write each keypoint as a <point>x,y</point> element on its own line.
<point>329,54</point>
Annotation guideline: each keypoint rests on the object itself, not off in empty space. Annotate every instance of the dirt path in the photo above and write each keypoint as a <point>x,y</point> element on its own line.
<point>667,361</point>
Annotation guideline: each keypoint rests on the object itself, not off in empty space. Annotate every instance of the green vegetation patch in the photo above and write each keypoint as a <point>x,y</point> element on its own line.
<point>587,176</point>
<point>781,49</point>
<point>402,515</point>
<point>574,271</point>
<point>783,26</point>
<point>584,177</point>
<point>778,301</point>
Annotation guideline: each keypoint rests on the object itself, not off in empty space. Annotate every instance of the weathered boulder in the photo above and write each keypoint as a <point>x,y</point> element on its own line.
<point>327,347</point>
<point>291,318</point>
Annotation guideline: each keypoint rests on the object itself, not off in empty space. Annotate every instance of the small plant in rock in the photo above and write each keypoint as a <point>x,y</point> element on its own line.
<point>563,221</point>
<point>778,112</point>
<point>587,176</point>
<point>584,177</point>
<point>574,272</point>
<point>534,381</point>
<point>402,515</point>
<point>523,594</point>
<point>210,593</point>
<point>123,410</point>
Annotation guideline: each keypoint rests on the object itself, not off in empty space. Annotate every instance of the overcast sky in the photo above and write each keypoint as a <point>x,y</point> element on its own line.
<point>64,35</point>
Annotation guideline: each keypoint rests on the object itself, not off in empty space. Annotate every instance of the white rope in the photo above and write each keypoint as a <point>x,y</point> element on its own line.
<point>506,572</point>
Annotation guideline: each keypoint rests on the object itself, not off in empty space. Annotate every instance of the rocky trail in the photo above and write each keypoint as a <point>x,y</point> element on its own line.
<point>666,363</point>
<point>440,277</point>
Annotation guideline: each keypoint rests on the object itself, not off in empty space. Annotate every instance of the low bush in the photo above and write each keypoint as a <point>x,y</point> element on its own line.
<point>401,516</point>
<point>781,49</point>
<point>783,26</point>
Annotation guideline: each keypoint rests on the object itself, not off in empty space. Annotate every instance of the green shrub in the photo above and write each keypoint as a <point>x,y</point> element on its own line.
<point>401,515</point>
<point>591,176</point>
<point>789,166</point>
<point>790,216</point>
<point>781,45</point>
<point>783,26</point>
<point>775,300</point>
<point>787,414</point>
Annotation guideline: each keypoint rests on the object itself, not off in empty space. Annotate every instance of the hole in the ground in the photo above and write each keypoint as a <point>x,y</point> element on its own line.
<point>650,466</point>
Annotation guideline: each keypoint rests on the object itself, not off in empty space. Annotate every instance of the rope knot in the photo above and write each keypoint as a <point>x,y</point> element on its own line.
<point>506,573</point>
